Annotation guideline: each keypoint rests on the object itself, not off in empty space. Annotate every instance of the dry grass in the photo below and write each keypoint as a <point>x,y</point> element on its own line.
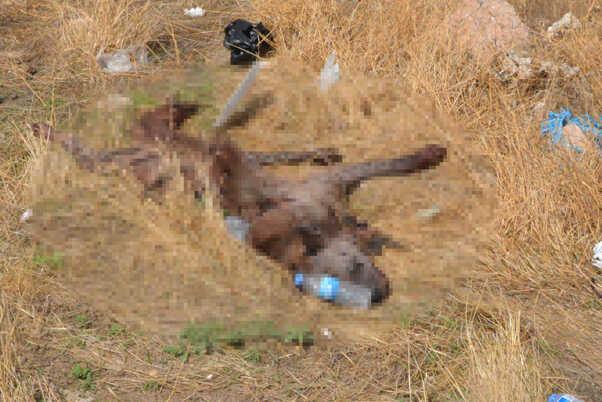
<point>493,302</point>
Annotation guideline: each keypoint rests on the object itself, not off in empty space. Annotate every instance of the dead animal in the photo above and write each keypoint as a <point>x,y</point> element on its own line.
<point>305,225</point>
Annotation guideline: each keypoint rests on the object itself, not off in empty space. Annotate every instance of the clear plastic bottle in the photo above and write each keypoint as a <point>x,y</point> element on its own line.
<point>563,398</point>
<point>334,290</point>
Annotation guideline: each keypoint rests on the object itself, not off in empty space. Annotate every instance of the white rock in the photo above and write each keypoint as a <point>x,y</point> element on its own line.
<point>566,23</point>
<point>195,12</point>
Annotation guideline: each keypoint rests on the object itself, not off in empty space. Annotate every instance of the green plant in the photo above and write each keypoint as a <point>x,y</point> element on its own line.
<point>84,374</point>
<point>301,336</point>
<point>151,386</point>
<point>253,355</point>
<point>179,351</point>
<point>116,330</point>
<point>54,260</point>
<point>82,321</point>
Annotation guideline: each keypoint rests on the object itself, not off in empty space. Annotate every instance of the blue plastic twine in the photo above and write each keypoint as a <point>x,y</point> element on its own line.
<point>555,122</point>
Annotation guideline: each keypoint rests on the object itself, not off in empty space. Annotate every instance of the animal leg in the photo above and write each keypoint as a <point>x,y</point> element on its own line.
<point>320,156</point>
<point>350,176</point>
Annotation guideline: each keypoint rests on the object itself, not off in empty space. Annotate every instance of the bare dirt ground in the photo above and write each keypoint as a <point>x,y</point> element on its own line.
<point>491,297</point>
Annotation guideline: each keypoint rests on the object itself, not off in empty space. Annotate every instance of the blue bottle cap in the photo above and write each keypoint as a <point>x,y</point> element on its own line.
<point>298,279</point>
<point>329,288</point>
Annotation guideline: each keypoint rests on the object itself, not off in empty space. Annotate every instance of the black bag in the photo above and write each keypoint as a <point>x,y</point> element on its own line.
<point>246,41</point>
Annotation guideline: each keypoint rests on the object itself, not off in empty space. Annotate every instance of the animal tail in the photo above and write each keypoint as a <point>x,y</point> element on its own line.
<point>352,175</point>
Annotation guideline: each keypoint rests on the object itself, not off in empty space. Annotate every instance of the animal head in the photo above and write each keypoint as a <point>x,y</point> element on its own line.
<point>342,258</point>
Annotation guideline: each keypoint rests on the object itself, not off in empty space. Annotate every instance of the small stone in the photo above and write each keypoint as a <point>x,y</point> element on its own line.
<point>567,23</point>
<point>576,137</point>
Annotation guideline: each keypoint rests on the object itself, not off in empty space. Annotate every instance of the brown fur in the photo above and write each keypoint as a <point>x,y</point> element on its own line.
<point>305,225</point>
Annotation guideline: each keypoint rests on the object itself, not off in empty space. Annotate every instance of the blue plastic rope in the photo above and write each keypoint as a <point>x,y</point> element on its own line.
<point>555,122</point>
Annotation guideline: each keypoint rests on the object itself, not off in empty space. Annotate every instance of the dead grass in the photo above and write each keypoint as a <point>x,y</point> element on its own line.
<point>493,302</point>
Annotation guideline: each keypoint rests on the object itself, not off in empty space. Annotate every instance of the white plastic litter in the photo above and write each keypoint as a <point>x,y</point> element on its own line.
<point>597,258</point>
<point>237,227</point>
<point>327,333</point>
<point>194,12</point>
<point>330,72</point>
<point>26,215</point>
<point>120,61</point>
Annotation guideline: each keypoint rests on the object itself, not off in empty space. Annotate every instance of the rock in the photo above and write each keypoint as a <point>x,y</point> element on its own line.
<point>522,68</point>
<point>568,22</point>
<point>487,28</point>
<point>576,137</point>
<point>515,66</point>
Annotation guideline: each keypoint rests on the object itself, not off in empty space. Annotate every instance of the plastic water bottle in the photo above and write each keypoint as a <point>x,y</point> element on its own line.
<point>334,290</point>
<point>563,398</point>
<point>238,227</point>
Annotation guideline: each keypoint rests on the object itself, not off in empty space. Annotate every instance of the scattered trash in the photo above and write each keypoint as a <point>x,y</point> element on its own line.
<point>556,127</point>
<point>327,333</point>
<point>563,398</point>
<point>26,215</point>
<point>209,377</point>
<point>238,227</point>
<point>597,258</point>
<point>330,72</point>
<point>194,12</point>
<point>487,28</point>
<point>123,60</point>
<point>567,23</point>
<point>332,289</point>
<point>246,41</point>
<point>428,213</point>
